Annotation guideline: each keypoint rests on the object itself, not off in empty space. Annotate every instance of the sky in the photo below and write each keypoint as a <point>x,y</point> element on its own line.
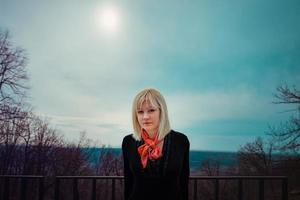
<point>217,63</point>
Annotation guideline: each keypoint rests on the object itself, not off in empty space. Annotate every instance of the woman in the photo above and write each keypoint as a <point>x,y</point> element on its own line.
<point>156,158</point>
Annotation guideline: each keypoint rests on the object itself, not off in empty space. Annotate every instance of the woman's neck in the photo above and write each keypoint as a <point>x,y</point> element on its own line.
<point>151,134</point>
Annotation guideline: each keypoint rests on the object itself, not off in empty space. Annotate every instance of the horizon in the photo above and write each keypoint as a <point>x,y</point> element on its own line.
<point>216,63</point>
<point>217,151</point>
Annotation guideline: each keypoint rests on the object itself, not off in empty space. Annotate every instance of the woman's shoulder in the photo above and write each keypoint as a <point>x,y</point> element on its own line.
<point>127,140</point>
<point>179,136</point>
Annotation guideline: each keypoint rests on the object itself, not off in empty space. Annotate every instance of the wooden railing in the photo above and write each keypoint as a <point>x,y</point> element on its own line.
<point>193,179</point>
<point>23,189</point>
<point>239,180</point>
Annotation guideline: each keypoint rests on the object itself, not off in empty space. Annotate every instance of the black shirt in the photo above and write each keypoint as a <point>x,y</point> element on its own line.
<point>164,178</point>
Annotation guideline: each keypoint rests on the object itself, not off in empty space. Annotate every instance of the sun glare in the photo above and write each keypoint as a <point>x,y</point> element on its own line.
<point>109,19</point>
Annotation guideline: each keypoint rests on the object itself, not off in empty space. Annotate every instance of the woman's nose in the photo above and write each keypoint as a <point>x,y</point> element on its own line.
<point>146,115</point>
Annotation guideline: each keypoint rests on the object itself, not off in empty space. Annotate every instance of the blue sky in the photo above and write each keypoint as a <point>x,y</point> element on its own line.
<point>217,63</point>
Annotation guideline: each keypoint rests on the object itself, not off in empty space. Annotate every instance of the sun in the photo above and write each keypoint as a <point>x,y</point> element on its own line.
<point>109,19</point>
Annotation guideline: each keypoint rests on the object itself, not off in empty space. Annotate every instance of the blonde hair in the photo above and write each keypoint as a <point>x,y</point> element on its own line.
<point>154,98</point>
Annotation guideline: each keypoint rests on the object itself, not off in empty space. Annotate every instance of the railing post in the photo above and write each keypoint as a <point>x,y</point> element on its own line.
<point>195,189</point>
<point>75,189</point>
<point>41,188</point>
<point>6,188</point>
<point>23,188</point>
<point>216,189</point>
<point>56,188</point>
<point>284,190</point>
<point>94,189</point>
<point>240,188</point>
<point>261,189</point>
<point>113,189</point>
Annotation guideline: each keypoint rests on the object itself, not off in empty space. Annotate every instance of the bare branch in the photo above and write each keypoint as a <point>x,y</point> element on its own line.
<point>285,95</point>
<point>13,77</point>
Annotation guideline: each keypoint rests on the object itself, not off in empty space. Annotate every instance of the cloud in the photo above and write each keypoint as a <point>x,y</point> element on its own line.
<point>109,119</point>
<point>190,108</point>
<point>220,142</point>
<point>108,129</point>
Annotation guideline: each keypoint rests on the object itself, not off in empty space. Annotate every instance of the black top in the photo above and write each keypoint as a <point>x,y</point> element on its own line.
<point>162,179</point>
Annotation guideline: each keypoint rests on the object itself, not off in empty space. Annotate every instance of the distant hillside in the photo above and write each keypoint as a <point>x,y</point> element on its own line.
<point>225,159</point>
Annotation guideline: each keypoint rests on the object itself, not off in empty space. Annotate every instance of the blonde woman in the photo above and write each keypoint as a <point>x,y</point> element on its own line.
<point>156,158</point>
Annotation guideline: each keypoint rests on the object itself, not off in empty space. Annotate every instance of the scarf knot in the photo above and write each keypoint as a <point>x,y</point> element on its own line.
<point>150,149</point>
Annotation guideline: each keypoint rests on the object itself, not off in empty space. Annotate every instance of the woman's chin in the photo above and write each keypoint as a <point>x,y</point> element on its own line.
<point>149,129</point>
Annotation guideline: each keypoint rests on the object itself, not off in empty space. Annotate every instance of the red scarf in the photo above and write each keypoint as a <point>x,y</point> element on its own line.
<point>149,150</point>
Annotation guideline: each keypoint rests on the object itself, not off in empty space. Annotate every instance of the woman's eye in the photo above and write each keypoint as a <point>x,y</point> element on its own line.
<point>140,112</point>
<point>152,110</point>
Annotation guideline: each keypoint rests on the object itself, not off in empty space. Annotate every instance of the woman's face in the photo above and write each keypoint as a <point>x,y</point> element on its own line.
<point>148,117</point>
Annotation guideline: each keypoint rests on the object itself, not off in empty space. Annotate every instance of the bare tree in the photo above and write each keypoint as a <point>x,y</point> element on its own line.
<point>256,158</point>
<point>11,133</point>
<point>28,143</point>
<point>210,167</point>
<point>13,78</point>
<point>287,135</point>
<point>109,163</point>
<point>259,158</point>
